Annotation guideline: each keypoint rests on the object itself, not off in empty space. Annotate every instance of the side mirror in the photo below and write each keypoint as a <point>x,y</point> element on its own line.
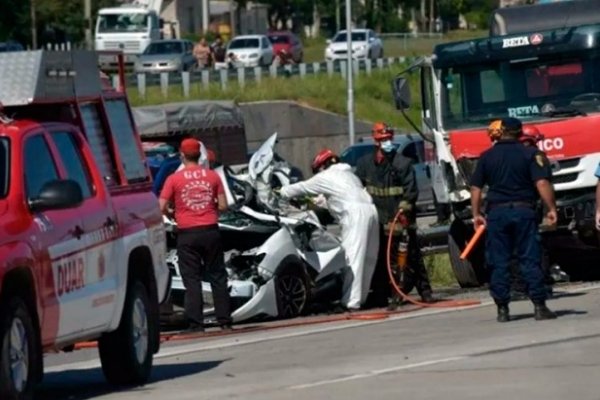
<point>57,195</point>
<point>401,93</point>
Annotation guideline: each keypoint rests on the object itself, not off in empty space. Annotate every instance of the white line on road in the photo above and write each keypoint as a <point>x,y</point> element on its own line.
<point>378,372</point>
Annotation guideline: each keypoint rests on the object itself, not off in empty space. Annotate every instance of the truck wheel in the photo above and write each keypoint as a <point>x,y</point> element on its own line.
<point>18,356</point>
<point>469,272</point>
<point>292,291</point>
<point>125,354</point>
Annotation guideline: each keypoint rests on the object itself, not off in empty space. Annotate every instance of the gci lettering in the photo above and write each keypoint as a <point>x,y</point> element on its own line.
<point>551,144</point>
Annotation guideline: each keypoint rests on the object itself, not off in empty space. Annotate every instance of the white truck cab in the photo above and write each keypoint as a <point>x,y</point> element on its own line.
<point>128,29</point>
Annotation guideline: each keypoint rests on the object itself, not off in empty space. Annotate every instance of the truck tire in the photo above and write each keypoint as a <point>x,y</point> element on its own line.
<point>469,273</point>
<point>17,342</point>
<point>126,354</point>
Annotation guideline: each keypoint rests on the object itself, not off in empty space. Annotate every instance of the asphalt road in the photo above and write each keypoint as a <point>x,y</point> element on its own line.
<point>425,354</point>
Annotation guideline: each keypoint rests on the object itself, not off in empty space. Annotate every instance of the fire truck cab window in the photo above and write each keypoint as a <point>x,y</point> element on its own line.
<point>124,136</point>
<point>38,165</point>
<point>4,168</point>
<point>98,142</point>
<point>72,159</point>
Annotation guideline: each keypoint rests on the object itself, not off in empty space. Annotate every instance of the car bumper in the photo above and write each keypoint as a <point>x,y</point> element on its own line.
<point>343,56</point>
<point>156,70</point>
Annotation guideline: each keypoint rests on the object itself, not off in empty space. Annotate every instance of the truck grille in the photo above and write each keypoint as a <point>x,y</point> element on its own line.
<point>570,163</point>
<point>127,45</point>
<point>566,178</point>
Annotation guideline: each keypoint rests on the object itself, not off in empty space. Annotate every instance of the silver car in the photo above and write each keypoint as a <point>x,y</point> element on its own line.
<point>166,56</point>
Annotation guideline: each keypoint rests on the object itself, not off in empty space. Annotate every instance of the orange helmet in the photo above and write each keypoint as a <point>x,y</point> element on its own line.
<point>322,158</point>
<point>499,127</point>
<point>382,131</point>
<point>531,135</point>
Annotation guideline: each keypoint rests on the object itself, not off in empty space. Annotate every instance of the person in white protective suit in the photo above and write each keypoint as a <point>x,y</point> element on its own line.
<point>352,207</point>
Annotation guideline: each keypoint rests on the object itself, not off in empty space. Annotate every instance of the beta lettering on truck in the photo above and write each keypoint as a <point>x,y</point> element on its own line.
<point>70,275</point>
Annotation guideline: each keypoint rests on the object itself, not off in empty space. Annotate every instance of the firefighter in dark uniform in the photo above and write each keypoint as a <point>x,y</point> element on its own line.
<point>513,174</point>
<point>531,137</point>
<point>389,177</point>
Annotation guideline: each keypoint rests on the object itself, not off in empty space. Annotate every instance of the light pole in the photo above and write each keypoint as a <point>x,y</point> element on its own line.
<point>87,10</point>
<point>205,16</point>
<point>349,77</point>
<point>33,25</point>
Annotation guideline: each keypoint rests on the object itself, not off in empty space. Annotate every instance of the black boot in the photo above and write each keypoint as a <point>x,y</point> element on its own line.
<point>542,312</point>
<point>427,297</point>
<point>503,313</point>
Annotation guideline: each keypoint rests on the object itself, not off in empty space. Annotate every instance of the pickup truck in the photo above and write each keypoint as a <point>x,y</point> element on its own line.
<point>82,243</point>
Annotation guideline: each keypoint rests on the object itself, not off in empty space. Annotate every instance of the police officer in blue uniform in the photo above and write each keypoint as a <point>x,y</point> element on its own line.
<point>513,174</point>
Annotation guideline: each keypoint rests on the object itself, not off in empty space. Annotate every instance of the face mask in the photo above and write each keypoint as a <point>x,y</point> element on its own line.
<point>387,146</point>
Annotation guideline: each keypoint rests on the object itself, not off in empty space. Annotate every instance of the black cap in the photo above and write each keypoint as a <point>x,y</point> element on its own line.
<point>511,124</point>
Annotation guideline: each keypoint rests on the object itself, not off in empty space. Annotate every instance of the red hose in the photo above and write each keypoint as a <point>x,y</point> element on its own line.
<point>166,337</point>
<point>404,296</point>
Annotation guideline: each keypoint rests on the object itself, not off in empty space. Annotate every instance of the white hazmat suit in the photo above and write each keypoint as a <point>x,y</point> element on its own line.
<point>352,207</point>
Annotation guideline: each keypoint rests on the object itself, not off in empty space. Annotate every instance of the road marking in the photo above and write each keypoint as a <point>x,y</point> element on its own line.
<point>266,336</point>
<point>378,372</point>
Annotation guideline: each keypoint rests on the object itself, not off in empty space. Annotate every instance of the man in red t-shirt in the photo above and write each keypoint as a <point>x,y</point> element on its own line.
<point>198,196</point>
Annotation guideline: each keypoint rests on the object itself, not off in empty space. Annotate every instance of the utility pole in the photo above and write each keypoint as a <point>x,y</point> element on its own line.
<point>431,12</point>
<point>338,17</point>
<point>34,44</point>
<point>349,77</point>
<point>231,19</point>
<point>87,10</point>
<point>205,15</point>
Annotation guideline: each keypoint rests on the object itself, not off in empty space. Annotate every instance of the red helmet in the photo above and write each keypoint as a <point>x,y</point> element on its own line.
<point>382,131</point>
<point>322,158</point>
<point>211,156</point>
<point>531,135</point>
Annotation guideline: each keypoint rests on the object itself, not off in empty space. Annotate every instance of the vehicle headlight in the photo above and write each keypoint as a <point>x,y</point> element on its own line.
<point>175,62</point>
<point>253,55</point>
<point>361,48</point>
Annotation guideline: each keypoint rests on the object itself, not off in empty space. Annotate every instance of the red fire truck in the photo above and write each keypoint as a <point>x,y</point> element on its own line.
<point>540,64</point>
<point>82,244</point>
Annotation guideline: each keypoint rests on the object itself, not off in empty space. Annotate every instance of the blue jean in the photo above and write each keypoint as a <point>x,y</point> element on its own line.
<point>514,231</point>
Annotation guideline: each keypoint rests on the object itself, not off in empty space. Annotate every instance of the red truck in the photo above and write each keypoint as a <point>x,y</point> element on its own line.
<point>540,64</point>
<point>82,244</point>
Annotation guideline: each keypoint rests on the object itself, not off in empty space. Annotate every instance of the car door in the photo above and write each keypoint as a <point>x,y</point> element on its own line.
<point>415,151</point>
<point>58,242</point>
<point>100,230</point>
<point>267,50</point>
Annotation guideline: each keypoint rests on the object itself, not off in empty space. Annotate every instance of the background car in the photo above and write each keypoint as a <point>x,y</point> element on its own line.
<point>250,51</point>
<point>365,44</point>
<point>166,56</point>
<point>411,146</point>
<point>10,46</point>
<point>289,42</point>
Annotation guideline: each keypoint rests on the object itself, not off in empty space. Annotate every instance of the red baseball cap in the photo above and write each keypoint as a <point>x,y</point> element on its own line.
<point>190,147</point>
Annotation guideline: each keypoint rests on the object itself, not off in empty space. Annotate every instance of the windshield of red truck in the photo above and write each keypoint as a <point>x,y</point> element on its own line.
<point>4,172</point>
<point>527,89</point>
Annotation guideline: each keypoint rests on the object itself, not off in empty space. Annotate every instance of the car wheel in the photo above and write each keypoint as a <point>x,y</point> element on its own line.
<point>470,272</point>
<point>291,288</point>
<point>18,356</point>
<point>126,354</point>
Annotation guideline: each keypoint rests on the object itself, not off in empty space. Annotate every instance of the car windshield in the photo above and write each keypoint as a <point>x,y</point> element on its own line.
<point>164,48</point>
<point>279,39</point>
<point>4,168</point>
<point>356,37</point>
<point>565,85</point>
<point>123,22</point>
<point>244,44</point>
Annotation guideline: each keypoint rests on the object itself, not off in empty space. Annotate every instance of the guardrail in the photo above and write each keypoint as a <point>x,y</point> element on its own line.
<point>242,75</point>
